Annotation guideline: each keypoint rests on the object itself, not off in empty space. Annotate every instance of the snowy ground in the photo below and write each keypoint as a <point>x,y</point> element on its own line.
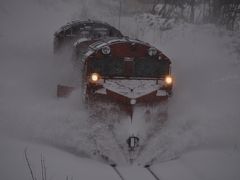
<point>203,126</point>
<point>209,164</point>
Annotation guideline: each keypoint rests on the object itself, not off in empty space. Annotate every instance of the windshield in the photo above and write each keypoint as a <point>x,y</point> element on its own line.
<point>100,32</point>
<point>139,67</point>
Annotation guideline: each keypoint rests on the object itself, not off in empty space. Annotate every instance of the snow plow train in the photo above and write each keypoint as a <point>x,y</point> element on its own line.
<point>123,71</point>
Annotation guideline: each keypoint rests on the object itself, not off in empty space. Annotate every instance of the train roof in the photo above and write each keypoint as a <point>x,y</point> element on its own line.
<point>85,23</point>
<point>113,40</point>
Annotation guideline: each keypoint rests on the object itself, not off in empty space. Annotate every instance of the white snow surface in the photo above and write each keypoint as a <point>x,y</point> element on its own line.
<point>210,164</point>
<point>202,130</point>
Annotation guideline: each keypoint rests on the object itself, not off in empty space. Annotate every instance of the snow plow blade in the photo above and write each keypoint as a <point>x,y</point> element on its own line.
<point>64,91</point>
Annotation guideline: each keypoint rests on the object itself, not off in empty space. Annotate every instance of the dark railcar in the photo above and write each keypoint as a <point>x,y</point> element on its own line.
<point>90,29</point>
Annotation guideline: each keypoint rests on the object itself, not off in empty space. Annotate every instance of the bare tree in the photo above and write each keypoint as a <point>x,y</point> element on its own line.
<point>29,165</point>
<point>43,167</point>
<point>220,12</point>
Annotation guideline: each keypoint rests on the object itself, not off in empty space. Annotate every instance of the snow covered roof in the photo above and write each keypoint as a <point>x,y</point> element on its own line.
<point>76,22</point>
<point>81,40</point>
<point>108,41</point>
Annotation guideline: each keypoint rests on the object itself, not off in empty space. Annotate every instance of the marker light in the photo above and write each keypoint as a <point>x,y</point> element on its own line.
<point>94,77</point>
<point>168,80</point>
<point>106,50</point>
<point>133,101</point>
<point>152,51</point>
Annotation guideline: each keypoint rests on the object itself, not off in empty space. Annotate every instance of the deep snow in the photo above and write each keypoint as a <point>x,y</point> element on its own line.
<point>203,126</point>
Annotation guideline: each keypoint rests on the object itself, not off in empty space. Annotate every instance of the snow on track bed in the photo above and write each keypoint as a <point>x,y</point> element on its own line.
<point>147,123</point>
<point>117,171</point>
<point>111,128</point>
<point>152,172</point>
<point>196,165</point>
<point>135,172</point>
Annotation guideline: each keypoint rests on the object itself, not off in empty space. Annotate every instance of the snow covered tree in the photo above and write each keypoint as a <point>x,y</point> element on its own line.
<point>220,12</point>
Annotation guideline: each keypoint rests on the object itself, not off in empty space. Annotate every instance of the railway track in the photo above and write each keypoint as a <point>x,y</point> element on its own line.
<point>147,173</point>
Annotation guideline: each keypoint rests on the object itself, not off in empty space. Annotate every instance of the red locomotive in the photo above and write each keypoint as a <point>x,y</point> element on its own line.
<point>123,71</point>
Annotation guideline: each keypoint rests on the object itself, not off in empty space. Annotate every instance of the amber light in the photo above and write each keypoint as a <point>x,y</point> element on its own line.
<point>94,77</point>
<point>168,80</point>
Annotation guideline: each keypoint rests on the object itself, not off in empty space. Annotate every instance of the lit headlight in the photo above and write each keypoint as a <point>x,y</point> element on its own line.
<point>168,80</point>
<point>94,77</point>
<point>152,51</point>
<point>106,50</point>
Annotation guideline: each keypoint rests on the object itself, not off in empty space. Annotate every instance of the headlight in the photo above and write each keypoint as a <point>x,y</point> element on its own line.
<point>168,80</point>
<point>152,51</point>
<point>106,50</point>
<point>94,77</point>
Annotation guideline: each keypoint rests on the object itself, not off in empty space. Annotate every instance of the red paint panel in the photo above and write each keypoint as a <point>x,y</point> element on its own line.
<point>124,49</point>
<point>129,50</point>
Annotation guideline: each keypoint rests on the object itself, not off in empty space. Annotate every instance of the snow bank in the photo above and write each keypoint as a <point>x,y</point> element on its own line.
<point>59,164</point>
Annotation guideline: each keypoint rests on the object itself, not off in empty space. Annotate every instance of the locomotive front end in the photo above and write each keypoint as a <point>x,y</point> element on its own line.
<point>127,72</point>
